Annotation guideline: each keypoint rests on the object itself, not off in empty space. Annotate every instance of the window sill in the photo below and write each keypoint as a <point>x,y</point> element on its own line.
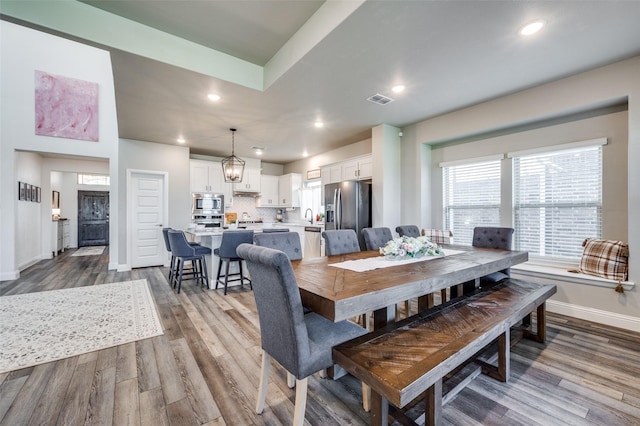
<point>551,272</point>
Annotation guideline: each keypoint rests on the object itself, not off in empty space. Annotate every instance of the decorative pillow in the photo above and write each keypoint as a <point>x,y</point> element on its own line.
<point>605,258</point>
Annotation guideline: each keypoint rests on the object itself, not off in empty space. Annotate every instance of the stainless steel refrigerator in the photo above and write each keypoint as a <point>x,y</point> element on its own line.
<point>347,205</point>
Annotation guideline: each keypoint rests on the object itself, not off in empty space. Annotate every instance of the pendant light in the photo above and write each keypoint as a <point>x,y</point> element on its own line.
<point>232,166</point>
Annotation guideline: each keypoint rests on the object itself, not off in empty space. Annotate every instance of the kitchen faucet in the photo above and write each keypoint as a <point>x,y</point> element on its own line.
<point>305,215</point>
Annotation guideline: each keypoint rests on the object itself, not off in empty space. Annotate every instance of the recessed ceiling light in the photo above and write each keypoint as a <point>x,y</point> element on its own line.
<point>258,150</point>
<point>398,88</point>
<point>305,154</point>
<point>532,28</point>
<point>213,97</point>
<point>181,140</point>
<point>318,124</point>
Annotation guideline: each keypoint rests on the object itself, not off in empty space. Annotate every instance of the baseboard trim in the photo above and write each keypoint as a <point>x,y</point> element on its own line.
<point>30,262</point>
<point>123,268</point>
<point>596,315</point>
<point>9,276</point>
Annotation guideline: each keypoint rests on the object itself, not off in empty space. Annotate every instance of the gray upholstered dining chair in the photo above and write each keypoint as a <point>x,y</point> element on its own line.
<point>184,252</point>
<point>301,344</point>
<point>340,241</point>
<point>496,238</point>
<point>287,242</point>
<point>227,253</point>
<point>488,237</point>
<point>374,238</point>
<point>408,230</point>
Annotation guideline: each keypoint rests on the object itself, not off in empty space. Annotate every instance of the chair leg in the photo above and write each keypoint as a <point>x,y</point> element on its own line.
<point>171,268</point>
<point>226,277</point>
<point>291,380</point>
<point>301,402</point>
<point>204,271</point>
<point>366,397</point>
<point>180,278</point>
<point>219,270</point>
<point>264,381</point>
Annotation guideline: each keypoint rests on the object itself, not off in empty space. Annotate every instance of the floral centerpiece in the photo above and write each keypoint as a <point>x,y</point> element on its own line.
<point>404,247</point>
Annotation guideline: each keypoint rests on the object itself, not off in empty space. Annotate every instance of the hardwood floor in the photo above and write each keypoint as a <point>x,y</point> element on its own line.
<point>205,369</point>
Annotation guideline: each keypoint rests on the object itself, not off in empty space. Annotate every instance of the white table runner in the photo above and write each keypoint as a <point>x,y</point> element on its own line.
<point>363,265</point>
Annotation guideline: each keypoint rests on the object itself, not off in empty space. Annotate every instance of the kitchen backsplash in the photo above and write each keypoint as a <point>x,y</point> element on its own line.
<point>267,214</point>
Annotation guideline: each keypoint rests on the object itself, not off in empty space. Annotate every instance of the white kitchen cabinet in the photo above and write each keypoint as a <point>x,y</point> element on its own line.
<point>358,168</point>
<point>206,176</point>
<point>289,190</point>
<point>250,177</point>
<point>199,176</point>
<point>269,187</point>
<point>250,181</point>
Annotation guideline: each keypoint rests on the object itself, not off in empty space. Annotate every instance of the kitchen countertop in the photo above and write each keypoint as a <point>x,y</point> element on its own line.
<point>256,227</point>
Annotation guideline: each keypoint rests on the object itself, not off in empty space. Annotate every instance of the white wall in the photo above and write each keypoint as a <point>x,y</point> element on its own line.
<point>587,91</point>
<point>386,179</point>
<point>23,52</point>
<point>28,224</point>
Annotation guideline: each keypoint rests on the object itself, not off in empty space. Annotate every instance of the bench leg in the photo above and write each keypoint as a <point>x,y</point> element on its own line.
<point>503,370</point>
<point>541,335</point>
<point>433,407</point>
<point>379,410</point>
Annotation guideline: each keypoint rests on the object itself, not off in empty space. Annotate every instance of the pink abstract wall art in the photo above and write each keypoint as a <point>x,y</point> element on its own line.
<point>66,107</point>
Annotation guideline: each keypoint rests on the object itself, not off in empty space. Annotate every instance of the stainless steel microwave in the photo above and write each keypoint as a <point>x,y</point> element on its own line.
<point>207,204</point>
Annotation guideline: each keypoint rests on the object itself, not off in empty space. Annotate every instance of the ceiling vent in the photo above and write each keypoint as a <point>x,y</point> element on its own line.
<point>379,99</point>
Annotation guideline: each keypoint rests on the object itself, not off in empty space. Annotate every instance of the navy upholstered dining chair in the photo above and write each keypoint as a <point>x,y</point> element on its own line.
<point>185,252</point>
<point>340,241</point>
<point>374,238</point>
<point>408,230</point>
<point>287,242</point>
<point>172,263</point>
<point>300,343</point>
<point>227,254</point>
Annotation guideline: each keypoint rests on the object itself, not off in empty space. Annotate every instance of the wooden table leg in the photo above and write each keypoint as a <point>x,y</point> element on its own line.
<point>384,316</point>
<point>379,410</point>
<point>433,404</point>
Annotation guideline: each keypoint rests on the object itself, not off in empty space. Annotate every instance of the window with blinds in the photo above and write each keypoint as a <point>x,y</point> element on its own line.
<point>471,197</point>
<point>557,201</point>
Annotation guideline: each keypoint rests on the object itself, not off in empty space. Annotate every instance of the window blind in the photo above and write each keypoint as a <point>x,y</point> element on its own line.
<point>557,201</point>
<point>471,197</point>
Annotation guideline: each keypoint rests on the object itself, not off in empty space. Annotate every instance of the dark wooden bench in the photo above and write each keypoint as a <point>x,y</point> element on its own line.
<point>407,359</point>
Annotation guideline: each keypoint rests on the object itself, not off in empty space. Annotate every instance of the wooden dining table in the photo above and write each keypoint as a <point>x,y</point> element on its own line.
<point>339,294</point>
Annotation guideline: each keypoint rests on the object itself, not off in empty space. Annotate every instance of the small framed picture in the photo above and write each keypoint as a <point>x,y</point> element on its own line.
<point>38,194</point>
<point>33,193</point>
<point>22,188</point>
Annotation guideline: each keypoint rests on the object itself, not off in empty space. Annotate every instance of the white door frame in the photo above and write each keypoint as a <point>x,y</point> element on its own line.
<point>165,207</point>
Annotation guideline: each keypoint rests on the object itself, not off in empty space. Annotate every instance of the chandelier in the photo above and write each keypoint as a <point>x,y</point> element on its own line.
<point>232,166</point>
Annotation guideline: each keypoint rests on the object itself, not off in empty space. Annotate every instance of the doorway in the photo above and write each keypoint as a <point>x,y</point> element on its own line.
<point>93,218</point>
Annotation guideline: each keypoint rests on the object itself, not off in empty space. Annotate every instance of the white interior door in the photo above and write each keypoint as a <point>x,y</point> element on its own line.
<point>148,219</point>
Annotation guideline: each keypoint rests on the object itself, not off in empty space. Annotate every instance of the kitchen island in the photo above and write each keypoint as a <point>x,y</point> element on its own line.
<point>212,237</point>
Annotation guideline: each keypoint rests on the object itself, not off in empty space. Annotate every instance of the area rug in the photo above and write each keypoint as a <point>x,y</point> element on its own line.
<point>89,251</point>
<point>47,326</point>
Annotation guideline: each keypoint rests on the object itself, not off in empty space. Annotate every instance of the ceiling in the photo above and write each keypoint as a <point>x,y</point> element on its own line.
<point>448,54</point>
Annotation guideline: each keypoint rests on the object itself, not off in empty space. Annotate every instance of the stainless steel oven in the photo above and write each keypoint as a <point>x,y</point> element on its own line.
<point>207,204</point>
